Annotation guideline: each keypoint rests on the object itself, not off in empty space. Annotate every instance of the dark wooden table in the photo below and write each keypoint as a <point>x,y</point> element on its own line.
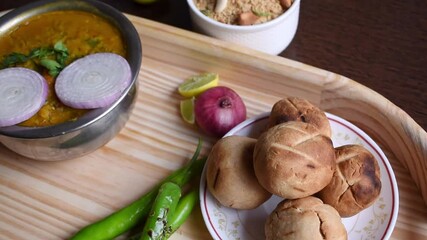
<point>380,44</point>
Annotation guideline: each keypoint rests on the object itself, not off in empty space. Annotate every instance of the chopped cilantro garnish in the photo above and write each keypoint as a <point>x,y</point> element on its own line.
<point>60,47</point>
<point>260,14</point>
<point>61,53</point>
<point>13,59</point>
<point>206,12</point>
<point>51,58</point>
<point>53,66</point>
<point>41,52</point>
<point>93,42</point>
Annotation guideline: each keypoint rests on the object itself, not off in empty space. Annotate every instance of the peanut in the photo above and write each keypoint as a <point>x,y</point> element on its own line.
<point>247,18</point>
<point>286,3</point>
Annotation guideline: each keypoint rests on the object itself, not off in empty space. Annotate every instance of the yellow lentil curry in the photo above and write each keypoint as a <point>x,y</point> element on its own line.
<point>81,32</point>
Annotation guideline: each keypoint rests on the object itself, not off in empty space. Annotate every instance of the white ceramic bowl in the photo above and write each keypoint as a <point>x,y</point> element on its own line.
<point>271,37</point>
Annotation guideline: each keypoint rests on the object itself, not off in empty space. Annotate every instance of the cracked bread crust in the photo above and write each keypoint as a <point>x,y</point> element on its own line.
<point>293,160</point>
<point>304,218</point>
<point>297,109</point>
<point>356,183</point>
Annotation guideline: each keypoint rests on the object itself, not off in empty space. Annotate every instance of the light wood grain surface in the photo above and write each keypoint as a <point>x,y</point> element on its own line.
<point>52,200</point>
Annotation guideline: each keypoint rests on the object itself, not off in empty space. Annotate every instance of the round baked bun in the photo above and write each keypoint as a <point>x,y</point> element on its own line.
<point>356,183</point>
<point>304,218</point>
<point>297,109</point>
<point>293,160</point>
<point>230,174</point>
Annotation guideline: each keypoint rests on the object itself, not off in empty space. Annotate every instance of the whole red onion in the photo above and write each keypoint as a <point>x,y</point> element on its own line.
<point>218,110</point>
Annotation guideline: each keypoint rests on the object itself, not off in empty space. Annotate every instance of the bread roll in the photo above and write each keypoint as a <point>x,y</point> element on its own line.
<point>356,183</point>
<point>293,160</point>
<point>297,109</point>
<point>304,218</point>
<point>230,175</point>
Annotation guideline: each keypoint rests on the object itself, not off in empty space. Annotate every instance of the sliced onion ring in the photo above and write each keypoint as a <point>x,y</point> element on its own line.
<point>22,93</point>
<point>94,81</point>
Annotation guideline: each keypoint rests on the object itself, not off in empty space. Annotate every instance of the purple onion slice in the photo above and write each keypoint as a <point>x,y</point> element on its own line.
<point>94,81</point>
<point>22,93</point>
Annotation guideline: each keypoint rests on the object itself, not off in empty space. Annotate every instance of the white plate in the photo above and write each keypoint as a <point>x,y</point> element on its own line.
<point>375,222</point>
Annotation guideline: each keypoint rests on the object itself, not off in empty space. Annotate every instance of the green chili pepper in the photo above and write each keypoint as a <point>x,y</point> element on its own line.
<point>183,210</point>
<point>127,217</point>
<point>163,209</point>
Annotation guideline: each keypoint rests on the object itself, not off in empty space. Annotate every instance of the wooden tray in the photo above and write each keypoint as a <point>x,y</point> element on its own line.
<point>52,200</point>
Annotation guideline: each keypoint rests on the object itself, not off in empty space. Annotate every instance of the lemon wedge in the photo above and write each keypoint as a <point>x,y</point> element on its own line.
<point>197,84</point>
<point>187,109</point>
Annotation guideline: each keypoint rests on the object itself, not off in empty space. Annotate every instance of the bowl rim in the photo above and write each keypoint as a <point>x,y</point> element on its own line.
<point>256,27</point>
<point>133,55</point>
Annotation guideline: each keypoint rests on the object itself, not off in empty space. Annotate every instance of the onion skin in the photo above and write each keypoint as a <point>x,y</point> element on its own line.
<point>218,110</point>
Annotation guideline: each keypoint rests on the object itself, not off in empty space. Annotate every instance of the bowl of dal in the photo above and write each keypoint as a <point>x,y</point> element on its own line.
<point>74,29</point>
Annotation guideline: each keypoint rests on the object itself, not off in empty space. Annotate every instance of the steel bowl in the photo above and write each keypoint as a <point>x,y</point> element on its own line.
<point>75,138</point>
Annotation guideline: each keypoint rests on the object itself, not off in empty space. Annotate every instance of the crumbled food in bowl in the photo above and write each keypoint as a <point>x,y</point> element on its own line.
<point>243,12</point>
